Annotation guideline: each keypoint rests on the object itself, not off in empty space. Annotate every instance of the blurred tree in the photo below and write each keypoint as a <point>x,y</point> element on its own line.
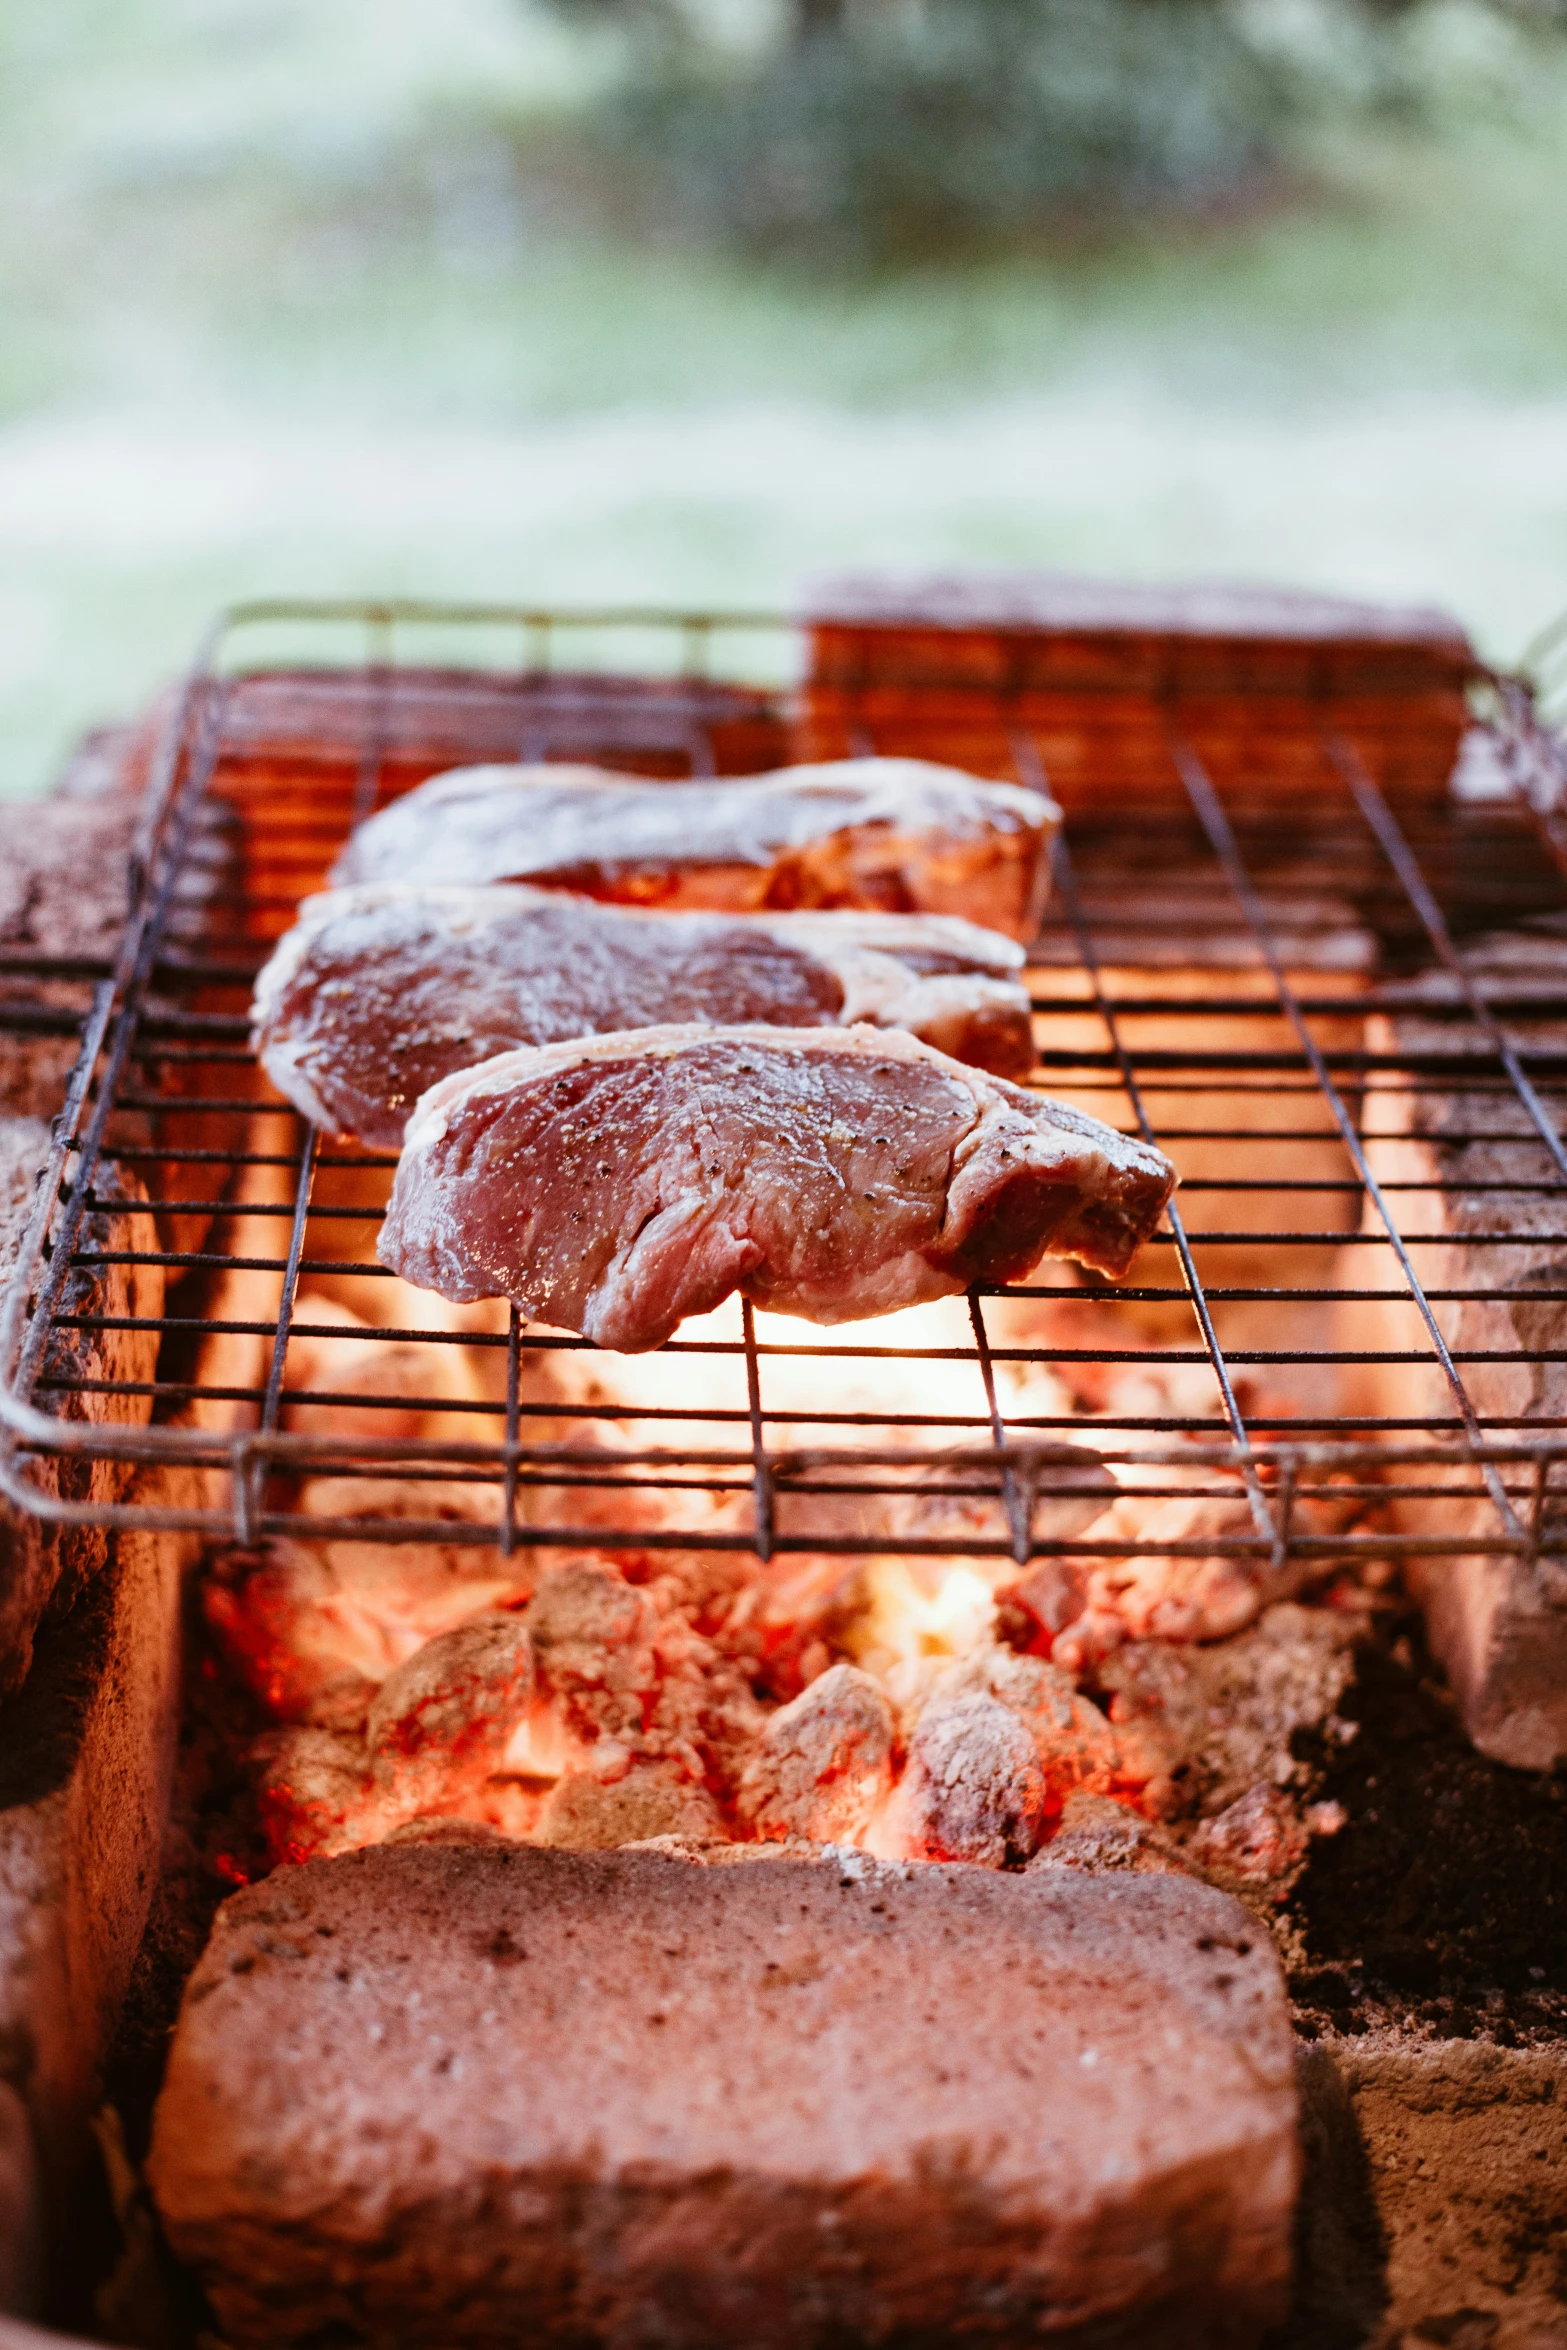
<point>869,129</point>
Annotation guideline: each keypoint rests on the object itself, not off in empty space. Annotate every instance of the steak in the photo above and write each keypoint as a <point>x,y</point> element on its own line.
<point>617,1185</point>
<point>900,835</point>
<point>379,992</point>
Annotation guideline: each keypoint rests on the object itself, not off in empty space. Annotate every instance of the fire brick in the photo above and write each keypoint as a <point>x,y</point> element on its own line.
<point>484,2093</point>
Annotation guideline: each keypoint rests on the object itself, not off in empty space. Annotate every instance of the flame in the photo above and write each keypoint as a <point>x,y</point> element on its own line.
<point>916,1609</point>
<point>539,1747</point>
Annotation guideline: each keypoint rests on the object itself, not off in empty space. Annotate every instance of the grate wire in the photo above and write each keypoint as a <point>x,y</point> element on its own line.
<point>765,1418</point>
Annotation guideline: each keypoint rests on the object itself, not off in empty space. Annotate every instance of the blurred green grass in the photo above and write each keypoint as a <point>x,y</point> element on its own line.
<point>324,298</point>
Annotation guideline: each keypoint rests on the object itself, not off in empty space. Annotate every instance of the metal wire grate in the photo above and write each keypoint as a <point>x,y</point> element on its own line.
<point>1284,997</point>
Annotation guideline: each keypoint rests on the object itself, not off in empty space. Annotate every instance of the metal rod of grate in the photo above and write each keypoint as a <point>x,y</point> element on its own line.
<point>1286,1001</point>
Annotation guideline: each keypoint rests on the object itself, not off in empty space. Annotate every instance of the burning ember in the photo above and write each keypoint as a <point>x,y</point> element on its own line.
<point>912,1707</point>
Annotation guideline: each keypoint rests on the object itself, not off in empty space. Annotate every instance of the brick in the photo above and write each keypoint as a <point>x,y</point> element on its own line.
<point>86,1757</point>
<point>63,893</point>
<point>481,2093</point>
<point>41,1562</point>
<point>957,668</point>
<point>21,2220</point>
<point>65,867</point>
<point>1497,1624</point>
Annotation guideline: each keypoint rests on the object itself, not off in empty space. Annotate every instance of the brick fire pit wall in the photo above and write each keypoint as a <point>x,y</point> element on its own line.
<point>502,2093</point>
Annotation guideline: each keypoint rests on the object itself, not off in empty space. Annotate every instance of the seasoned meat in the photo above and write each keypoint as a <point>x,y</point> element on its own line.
<point>898,834</point>
<point>617,1185</point>
<point>379,992</point>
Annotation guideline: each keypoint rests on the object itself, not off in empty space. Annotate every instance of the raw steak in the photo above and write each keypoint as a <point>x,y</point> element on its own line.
<point>616,1185</point>
<point>898,834</point>
<point>378,992</point>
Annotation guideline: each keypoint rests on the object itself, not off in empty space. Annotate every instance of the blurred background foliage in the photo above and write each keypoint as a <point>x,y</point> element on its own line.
<point>859,131</point>
<point>863,130</point>
<point>689,299</point>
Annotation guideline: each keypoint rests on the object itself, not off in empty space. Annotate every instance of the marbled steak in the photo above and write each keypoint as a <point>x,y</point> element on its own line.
<point>380,991</point>
<point>615,1186</point>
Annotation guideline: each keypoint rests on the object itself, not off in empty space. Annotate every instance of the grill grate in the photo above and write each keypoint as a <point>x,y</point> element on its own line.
<point>1216,969</point>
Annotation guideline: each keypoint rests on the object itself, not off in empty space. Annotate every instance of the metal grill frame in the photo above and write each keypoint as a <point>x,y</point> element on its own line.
<point>1010,1468</point>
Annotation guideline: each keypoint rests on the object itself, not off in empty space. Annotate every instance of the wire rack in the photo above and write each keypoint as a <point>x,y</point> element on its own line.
<point>1284,997</point>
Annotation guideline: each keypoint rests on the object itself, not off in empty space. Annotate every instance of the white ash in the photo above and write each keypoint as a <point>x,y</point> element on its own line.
<point>823,1765</point>
<point>587,1814</point>
<point>1100,1836</point>
<point>382,1386</point>
<point>1255,1846</point>
<point>314,1628</point>
<point>1203,1726</point>
<point>974,1788</point>
<point>623,1709</point>
<point>446,1717</point>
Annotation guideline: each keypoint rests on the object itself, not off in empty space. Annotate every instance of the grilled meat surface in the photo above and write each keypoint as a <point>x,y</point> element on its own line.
<point>897,835</point>
<point>616,1185</point>
<point>380,991</point>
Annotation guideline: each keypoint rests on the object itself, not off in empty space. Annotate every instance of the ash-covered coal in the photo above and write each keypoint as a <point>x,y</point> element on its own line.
<point>823,1765</point>
<point>616,1701</point>
<point>916,1706</point>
